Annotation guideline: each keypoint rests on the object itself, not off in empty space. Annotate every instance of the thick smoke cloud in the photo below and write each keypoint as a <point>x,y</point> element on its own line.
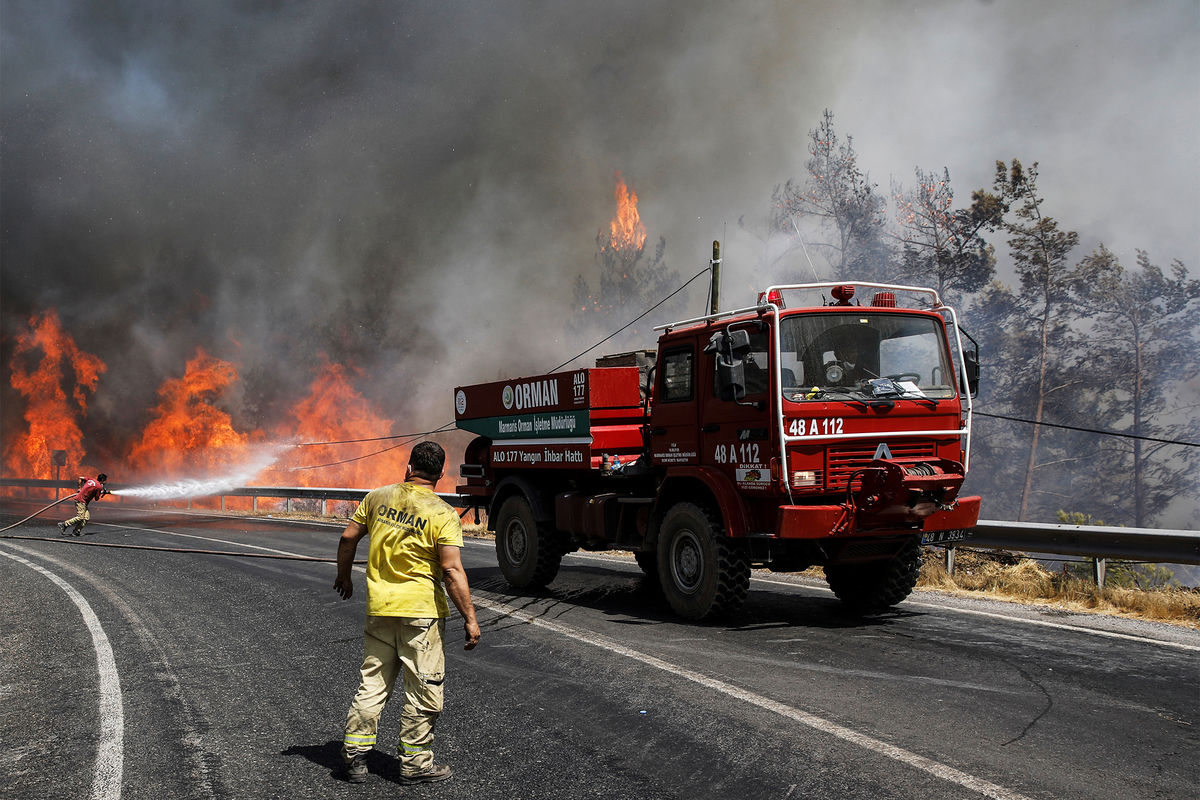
<point>412,188</point>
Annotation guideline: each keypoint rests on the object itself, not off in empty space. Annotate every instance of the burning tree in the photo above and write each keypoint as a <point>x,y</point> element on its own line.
<point>630,280</point>
<point>45,360</point>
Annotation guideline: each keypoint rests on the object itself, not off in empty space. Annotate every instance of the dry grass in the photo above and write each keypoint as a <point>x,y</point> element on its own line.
<point>1008,577</point>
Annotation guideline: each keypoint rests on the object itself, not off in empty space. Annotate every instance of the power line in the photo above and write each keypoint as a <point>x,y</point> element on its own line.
<point>411,436</point>
<point>635,319</point>
<point>1091,430</point>
<point>371,439</point>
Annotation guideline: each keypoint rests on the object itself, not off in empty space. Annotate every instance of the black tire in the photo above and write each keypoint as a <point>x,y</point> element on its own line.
<point>877,584</point>
<point>526,551</point>
<point>701,572</point>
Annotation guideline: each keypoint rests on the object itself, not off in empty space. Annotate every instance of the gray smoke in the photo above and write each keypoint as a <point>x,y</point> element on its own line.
<point>412,188</point>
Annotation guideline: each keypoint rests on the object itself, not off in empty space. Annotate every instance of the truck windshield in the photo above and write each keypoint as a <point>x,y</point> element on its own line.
<point>827,354</point>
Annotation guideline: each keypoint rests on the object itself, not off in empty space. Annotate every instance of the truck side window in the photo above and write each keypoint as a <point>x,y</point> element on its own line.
<point>677,375</point>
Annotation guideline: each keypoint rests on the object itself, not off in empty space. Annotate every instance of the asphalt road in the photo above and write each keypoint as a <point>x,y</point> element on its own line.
<point>150,674</point>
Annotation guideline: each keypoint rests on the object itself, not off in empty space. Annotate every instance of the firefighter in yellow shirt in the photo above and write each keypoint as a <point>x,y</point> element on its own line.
<point>414,550</point>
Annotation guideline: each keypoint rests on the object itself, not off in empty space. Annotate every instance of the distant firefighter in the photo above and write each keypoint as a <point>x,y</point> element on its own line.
<point>89,489</point>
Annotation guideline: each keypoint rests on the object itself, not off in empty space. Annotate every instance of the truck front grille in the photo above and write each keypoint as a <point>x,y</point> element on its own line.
<point>842,461</point>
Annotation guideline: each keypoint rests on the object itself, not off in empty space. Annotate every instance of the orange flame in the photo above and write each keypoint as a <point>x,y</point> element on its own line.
<point>52,418</point>
<point>334,411</point>
<point>628,232</point>
<point>188,433</point>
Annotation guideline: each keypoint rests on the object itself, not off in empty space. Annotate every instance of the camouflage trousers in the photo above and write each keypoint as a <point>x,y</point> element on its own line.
<point>392,645</point>
<point>82,515</point>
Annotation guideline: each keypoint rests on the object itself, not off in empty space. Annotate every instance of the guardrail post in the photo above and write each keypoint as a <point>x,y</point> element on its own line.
<point>323,502</point>
<point>254,504</point>
<point>950,559</point>
<point>222,504</point>
<point>1098,572</point>
<point>288,505</point>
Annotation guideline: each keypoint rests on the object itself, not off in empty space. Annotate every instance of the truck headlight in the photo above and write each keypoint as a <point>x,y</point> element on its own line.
<point>806,478</point>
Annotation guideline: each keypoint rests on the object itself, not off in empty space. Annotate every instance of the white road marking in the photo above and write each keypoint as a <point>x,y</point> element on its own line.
<point>870,743</point>
<point>789,584</point>
<point>184,716</point>
<point>201,538</point>
<point>1060,626</point>
<point>862,740</point>
<point>110,765</point>
<point>1006,618</point>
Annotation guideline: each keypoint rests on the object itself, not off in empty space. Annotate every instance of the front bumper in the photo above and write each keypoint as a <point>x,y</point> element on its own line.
<point>825,521</point>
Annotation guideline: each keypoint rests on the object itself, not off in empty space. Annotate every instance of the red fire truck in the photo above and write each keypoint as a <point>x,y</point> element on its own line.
<point>804,430</point>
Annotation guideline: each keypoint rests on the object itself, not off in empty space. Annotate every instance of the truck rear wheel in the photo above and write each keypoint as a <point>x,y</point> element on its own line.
<point>702,573</point>
<point>526,551</point>
<point>877,584</point>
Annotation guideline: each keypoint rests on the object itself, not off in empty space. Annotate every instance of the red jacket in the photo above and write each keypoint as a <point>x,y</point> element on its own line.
<point>90,490</point>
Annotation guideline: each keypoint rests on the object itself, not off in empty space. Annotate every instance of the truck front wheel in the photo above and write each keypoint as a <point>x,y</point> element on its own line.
<point>877,584</point>
<point>527,555</point>
<point>702,573</point>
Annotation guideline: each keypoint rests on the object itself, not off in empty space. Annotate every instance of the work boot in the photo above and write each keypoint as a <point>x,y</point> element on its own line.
<point>78,532</point>
<point>356,770</point>
<point>62,528</point>
<point>431,775</point>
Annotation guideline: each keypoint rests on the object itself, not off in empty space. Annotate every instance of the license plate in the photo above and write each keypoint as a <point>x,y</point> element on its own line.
<point>942,537</point>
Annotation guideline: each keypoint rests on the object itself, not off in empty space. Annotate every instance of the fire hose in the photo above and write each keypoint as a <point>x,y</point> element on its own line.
<point>39,511</point>
<point>192,551</point>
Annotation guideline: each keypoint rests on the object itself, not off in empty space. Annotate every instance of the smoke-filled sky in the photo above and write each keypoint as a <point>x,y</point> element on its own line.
<point>412,188</point>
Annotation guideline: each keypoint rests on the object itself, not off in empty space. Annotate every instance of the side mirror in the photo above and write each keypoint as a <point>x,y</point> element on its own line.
<point>731,348</point>
<point>731,379</point>
<point>971,366</point>
<point>738,344</point>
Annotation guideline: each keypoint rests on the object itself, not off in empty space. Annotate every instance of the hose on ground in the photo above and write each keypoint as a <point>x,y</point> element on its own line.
<point>39,511</point>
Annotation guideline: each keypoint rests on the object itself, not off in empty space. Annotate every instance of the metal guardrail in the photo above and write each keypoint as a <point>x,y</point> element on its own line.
<point>1095,542</point>
<point>1090,541</point>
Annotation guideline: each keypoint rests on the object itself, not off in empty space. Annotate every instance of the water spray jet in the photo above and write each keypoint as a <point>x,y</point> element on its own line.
<point>185,488</point>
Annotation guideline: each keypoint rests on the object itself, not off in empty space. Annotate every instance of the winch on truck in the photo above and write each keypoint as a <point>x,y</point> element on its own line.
<point>783,435</point>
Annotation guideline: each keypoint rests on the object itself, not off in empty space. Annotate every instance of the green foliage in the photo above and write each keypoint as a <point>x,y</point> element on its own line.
<point>941,245</point>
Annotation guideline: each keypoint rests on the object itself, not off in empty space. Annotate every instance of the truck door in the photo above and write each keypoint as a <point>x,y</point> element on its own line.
<point>673,435</point>
<point>735,436</point>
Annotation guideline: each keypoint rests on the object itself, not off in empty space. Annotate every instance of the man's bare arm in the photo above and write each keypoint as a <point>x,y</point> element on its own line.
<point>455,578</point>
<point>347,545</point>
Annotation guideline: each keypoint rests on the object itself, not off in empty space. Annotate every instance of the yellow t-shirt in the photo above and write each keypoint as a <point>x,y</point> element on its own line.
<point>404,573</point>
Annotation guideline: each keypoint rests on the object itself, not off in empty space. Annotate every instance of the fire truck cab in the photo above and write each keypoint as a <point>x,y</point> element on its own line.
<point>808,429</point>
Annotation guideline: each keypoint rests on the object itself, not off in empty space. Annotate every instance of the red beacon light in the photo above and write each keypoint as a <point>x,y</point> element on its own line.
<point>774,296</point>
<point>884,300</point>
<point>843,294</point>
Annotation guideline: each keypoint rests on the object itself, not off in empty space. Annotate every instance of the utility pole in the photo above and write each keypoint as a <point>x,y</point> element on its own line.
<point>715,293</point>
